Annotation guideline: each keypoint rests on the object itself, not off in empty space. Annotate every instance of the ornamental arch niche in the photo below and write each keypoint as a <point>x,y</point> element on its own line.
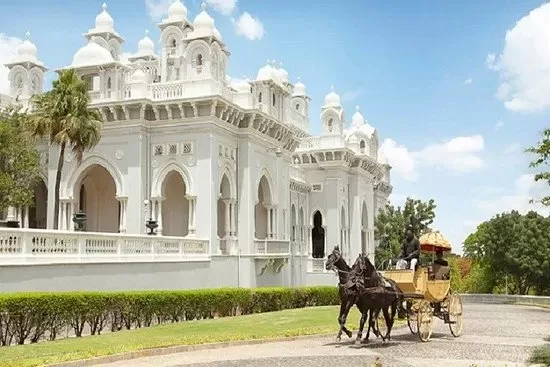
<point>318,236</point>
<point>263,211</point>
<point>38,211</point>
<point>224,202</point>
<point>175,208</point>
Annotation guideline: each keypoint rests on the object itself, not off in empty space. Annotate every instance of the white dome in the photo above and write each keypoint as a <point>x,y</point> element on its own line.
<point>203,20</point>
<point>91,54</point>
<point>217,34</point>
<point>177,12</point>
<point>332,99</point>
<point>104,22</point>
<point>367,129</point>
<point>299,89</point>
<point>266,72</point>
<point>139,77</point>
<point>146,46</point>
<point>241,85</point>
<point>357,119</point>
<point>282,73</point>
<point>27,50</point>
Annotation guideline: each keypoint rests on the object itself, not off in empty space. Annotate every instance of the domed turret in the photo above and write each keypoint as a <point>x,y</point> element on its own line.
<point>139,77</point>
<point>332,99</point>
<point>266,72</point>
<point>203,21</point>
<point>177,12</point>
<point>281,73</point>
<point>91,54</point>
<point>299,89</point>
<point>104,22</point>
<point>146,47</point>
<point>357,119</point>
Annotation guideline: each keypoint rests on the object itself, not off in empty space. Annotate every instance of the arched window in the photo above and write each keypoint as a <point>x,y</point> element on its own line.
<point>109,83</point>
<point>199,60</point>
<point>297,107</point>
<point>274,99</point>
<point>173,43</point>
<point>362,146</point>
<point>260,97</point>
<point>330,124</point>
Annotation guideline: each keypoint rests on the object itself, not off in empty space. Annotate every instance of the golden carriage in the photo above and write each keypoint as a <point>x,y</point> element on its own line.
<point>428,291</point>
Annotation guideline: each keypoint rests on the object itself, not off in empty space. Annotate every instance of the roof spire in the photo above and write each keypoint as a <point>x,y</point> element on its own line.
<point>203,6</point>
<point>104,7</point>
<point>146,32</point>
<point>28,35</point>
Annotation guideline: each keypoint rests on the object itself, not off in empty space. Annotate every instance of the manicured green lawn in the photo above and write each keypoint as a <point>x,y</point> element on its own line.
<point>541,355</point>
<point>306,321</point>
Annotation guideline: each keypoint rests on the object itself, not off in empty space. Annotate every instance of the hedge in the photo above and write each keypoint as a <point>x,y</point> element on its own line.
<point>31,317</point>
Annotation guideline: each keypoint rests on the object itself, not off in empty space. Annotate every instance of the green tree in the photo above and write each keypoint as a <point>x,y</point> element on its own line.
<point>391,223</point>
<point>513,245</point>
<point>62,115</point>
<point>19,160</point>
<point>542,151</point>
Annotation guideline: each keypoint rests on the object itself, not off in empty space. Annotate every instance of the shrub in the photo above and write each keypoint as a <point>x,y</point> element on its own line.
<point>30,317</point>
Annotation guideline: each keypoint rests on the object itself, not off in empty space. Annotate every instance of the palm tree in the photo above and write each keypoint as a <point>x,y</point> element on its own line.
<point>63,117</point>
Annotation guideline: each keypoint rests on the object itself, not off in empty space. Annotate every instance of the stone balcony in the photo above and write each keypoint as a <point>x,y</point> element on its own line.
<point>29,246</point>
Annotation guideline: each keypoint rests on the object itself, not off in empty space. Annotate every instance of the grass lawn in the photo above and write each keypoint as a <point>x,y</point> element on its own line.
<point>541,355</point>
<point>305,321</point>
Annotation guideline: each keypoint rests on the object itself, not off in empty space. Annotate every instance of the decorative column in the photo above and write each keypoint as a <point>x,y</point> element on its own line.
<point>227,218</point>
<point>233,224</point>
<point>192,203</point>
<point>269,227</point>
<point>122,217</point>
<point>26,218</point>
<point>70,210</point>
<point>62,221</point>
<point>156,213</point>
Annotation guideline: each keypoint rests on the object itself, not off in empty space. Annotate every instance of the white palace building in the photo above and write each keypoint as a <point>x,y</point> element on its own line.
<point>242,193</point>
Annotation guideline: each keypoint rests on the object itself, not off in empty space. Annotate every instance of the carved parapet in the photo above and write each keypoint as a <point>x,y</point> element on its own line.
<point>299,186</point>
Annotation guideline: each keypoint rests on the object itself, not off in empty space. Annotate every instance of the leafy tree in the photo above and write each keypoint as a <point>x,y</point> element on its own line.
<point>513,245</point>
<point>391,223</point>
<point>542,150</point>
<point>19,160</point>
<point>62,115</point>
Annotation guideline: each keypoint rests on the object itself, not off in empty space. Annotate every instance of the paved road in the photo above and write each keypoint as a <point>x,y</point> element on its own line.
<point>494,335</point>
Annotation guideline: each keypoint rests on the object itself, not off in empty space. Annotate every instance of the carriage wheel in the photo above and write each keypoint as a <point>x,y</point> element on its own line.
<point>455,314</point>
<point>424,320</point>
<point>412,319</point>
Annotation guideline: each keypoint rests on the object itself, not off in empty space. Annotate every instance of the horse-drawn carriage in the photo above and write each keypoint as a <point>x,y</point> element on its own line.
<point>427,291</point>
<point>423,292</point>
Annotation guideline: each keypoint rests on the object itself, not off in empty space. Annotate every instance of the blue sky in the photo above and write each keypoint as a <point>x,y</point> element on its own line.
<point>422,73</point>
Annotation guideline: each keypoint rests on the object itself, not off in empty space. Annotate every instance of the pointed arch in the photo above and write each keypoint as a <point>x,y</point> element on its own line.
<point>70,189</point>
<point>231,177</point>
<point>264,173</point>
<point>160,175</point>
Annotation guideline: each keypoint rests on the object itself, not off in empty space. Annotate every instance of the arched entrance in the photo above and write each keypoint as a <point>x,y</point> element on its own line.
<point>175,208</point>
<point>39,210</point>
<point>97,198</point>
<point>364,228</point>
<point>224,208</point>
<point>263,211</point>
<point>318,236</point>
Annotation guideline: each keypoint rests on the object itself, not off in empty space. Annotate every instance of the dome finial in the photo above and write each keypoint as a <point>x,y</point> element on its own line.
<point>203,6</point>
<point>104,7</point>
<point>28,35</point>
<point>146,32</point>
<point>299,79</point>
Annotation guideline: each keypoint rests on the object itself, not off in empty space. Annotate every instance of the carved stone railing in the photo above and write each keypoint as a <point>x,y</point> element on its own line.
<point>297,173</point>
<point>321,142</point>
<point>29,246</point>
<point>315,265</point>
<point>271,247</point>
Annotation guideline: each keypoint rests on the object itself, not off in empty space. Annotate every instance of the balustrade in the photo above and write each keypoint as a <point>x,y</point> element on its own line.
<point>271,247</point>
<point>26,246</point>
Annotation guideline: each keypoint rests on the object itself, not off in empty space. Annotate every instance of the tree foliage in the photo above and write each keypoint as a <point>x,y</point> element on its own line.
<point>514,246</point>
<point>542,151</point>
<point>19,160</point>
<point>62,115</point>
<point>391,223</point>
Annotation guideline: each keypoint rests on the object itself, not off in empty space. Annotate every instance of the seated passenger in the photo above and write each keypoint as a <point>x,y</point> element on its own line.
<point>439,259</point>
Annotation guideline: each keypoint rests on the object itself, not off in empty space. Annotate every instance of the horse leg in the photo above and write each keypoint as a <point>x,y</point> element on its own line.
<point>364,316</point>
<point>374,322</point>
<point>344,310</point>
<point>370,325</point>
<point>389,322</point>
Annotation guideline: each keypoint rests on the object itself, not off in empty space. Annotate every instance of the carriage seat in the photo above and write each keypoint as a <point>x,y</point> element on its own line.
<point>440,272</point>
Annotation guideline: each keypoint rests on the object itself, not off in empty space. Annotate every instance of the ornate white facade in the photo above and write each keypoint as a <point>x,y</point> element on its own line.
<point>228,168</point>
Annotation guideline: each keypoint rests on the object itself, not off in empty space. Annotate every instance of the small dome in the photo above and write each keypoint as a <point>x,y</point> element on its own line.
<point>177,12</point>
<point>299,89</point>
<point>357,119</point>
<point>203,21</point>
<point>266,72</point>
<point>27,50</point>
<point>104,22</point>
<point>332,99</point>
<point>146,47</point>
<point>139,77</point>
<point>91,54</point>
<point>241,85</point>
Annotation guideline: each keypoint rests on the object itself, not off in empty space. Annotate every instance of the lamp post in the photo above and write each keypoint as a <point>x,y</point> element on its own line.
<point>150,223</point>
<point>79,220</point>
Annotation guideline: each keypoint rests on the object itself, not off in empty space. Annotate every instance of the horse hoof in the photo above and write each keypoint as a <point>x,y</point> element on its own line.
<point>358,342</point>
<point>349,333</point>
<point>338,339</point>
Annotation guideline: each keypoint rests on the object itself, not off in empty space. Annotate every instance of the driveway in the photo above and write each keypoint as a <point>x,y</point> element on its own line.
<point>493,335</point>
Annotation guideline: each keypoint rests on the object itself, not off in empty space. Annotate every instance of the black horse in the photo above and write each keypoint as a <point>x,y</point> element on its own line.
<point>375,294</point>
<point>336,262</point>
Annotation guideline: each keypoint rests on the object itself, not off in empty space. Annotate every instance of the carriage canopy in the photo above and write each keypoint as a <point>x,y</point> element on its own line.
<point>433,241</point>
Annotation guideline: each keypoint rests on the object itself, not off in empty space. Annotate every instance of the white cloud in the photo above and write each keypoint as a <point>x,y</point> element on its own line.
<point>249,27</point>
<point>225,7</point>
<point>526,189</point>
<point>157,9</point>
<point>468,81</point>
<point>513,148</point>
<point>401,160</point>
<point>524,64</point>
<point>8,51</point>
<point>499,124</point>
<point>458,156</point>
<point>350,96</point>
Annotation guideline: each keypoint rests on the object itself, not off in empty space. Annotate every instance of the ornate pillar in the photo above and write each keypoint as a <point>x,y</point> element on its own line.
<point>122,217</point>
<point>191,220</point>
<point>157,212</point>
<point>70,211</point>
<point>62,221</point>
<point>26,218</point>
<point>269,227</point>
<point>227,218</point>
<point>233,224</point>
